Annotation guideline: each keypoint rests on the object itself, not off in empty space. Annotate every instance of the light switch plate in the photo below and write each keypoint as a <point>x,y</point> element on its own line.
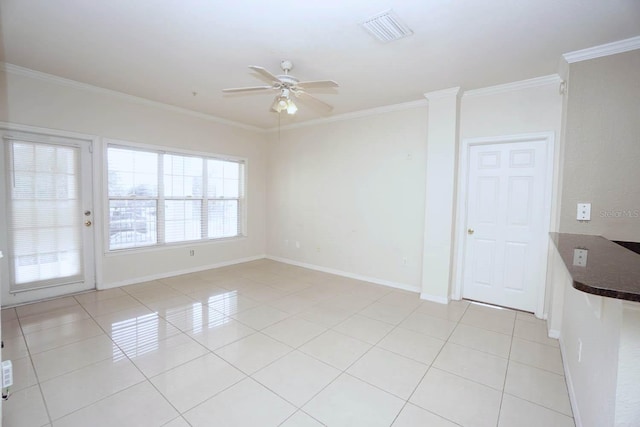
<point>584,211</point>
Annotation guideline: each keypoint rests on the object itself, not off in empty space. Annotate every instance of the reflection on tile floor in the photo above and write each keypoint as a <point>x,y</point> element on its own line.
<point>269,344</point>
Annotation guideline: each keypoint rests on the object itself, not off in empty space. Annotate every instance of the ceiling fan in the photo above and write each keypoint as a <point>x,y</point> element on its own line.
<point>287,87</point>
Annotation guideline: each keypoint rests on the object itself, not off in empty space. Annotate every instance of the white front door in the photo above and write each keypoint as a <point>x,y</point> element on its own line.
<point>506,223</point>
<point>46,216</point>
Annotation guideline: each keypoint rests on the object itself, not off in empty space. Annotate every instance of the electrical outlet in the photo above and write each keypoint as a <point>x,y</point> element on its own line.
<point>192,252</point>
<point>7,374</point>
<point>297,245</point>
<point>405,261</point>
<point>580,257</point>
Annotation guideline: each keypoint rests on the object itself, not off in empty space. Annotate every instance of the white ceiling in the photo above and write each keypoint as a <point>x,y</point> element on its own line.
<point>164,50</point>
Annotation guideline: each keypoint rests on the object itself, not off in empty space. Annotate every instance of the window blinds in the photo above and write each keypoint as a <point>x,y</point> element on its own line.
<point>45,224</point>
<point>157,197</point>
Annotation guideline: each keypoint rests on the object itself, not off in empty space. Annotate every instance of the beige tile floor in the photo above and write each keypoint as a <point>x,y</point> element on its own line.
<point>269,344</point>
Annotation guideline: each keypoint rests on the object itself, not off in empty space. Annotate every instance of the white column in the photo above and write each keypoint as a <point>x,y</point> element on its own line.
<point>439,209</point>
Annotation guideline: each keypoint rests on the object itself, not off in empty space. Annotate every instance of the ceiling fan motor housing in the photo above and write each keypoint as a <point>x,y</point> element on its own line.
<point>288,80</point>
<point>286,66</point>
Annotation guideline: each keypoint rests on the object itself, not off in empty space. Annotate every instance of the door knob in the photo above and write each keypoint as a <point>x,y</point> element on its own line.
<point>87,223</point>
<point>470,231</point>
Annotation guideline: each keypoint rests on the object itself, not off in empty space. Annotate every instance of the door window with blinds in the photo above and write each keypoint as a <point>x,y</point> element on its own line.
<point>158,198</point>
<point>44,214</point>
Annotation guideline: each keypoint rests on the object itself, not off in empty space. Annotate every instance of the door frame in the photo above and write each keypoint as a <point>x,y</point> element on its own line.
<point>461,204</point>
<point>96,185</point>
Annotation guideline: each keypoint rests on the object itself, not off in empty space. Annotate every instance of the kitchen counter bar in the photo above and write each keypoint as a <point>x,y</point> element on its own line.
<point>599,266</point>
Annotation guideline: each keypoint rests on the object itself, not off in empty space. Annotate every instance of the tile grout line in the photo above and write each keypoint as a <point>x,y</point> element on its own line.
<point>246,375</point>
<point>146,379</point>
<point>266,303</point>
<point>342,372</point>
<point>44,401</point>
<point>506,372</point>
<point>408,401</point>
<point>208,351</point>
<point>539,405</point>
<point>39,382</point>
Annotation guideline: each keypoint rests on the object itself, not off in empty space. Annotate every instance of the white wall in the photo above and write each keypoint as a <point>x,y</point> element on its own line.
<point>351,193</point>
<point>600,160</point>
<point>603,147</point>
<point>628,384</point>
<point>44,103</point>
<point>524,107</point>
<point>596,322</point>
<point>594,377</point>
<point>330,184</point>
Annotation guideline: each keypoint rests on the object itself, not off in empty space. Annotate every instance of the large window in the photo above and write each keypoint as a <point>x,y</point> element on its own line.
<point>157,198</point>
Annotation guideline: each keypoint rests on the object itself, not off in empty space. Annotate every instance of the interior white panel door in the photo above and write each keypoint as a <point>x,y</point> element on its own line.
<point>505,239</point>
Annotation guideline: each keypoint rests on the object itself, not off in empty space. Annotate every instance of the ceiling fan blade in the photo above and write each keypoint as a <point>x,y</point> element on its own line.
<point>306,97</point>
<point>247,89</point>
<point>264,73</point>
<point>317,84</point>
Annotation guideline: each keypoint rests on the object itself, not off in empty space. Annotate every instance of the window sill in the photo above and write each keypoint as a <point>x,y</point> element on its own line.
<point>171,246</point>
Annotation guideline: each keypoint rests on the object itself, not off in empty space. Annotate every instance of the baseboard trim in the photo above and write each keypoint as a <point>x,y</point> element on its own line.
<point>434,298</point>
<point>403,286</point>
<point>178,272</point>
<point>567,375</point>
<point>554,333</point>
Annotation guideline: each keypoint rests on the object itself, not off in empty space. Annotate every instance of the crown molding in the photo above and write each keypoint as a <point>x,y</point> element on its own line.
<point>509,87</point>
<point>356,115</point>
<point>27,72</point>
<point>18,127</point>
<point>443,93</point>
<point>619,46</point>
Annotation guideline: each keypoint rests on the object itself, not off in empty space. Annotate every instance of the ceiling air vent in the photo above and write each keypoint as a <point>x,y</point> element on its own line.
<point>386,27</point>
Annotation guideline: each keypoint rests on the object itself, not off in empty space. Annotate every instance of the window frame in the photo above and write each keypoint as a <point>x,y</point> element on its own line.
<point>160,199</point>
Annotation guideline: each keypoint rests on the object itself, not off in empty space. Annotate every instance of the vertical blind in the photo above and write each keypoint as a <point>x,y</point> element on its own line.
<point>45,224</point>
<point>157,197</point>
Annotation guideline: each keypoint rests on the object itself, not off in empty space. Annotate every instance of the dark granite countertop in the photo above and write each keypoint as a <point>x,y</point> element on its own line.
<point>610,271</point>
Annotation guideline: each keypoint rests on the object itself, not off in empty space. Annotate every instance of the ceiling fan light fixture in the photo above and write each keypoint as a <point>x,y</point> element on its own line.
<point>291,107</point>
<point>286,85</point>
<point>284,102</point>
<point>276,105</point>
